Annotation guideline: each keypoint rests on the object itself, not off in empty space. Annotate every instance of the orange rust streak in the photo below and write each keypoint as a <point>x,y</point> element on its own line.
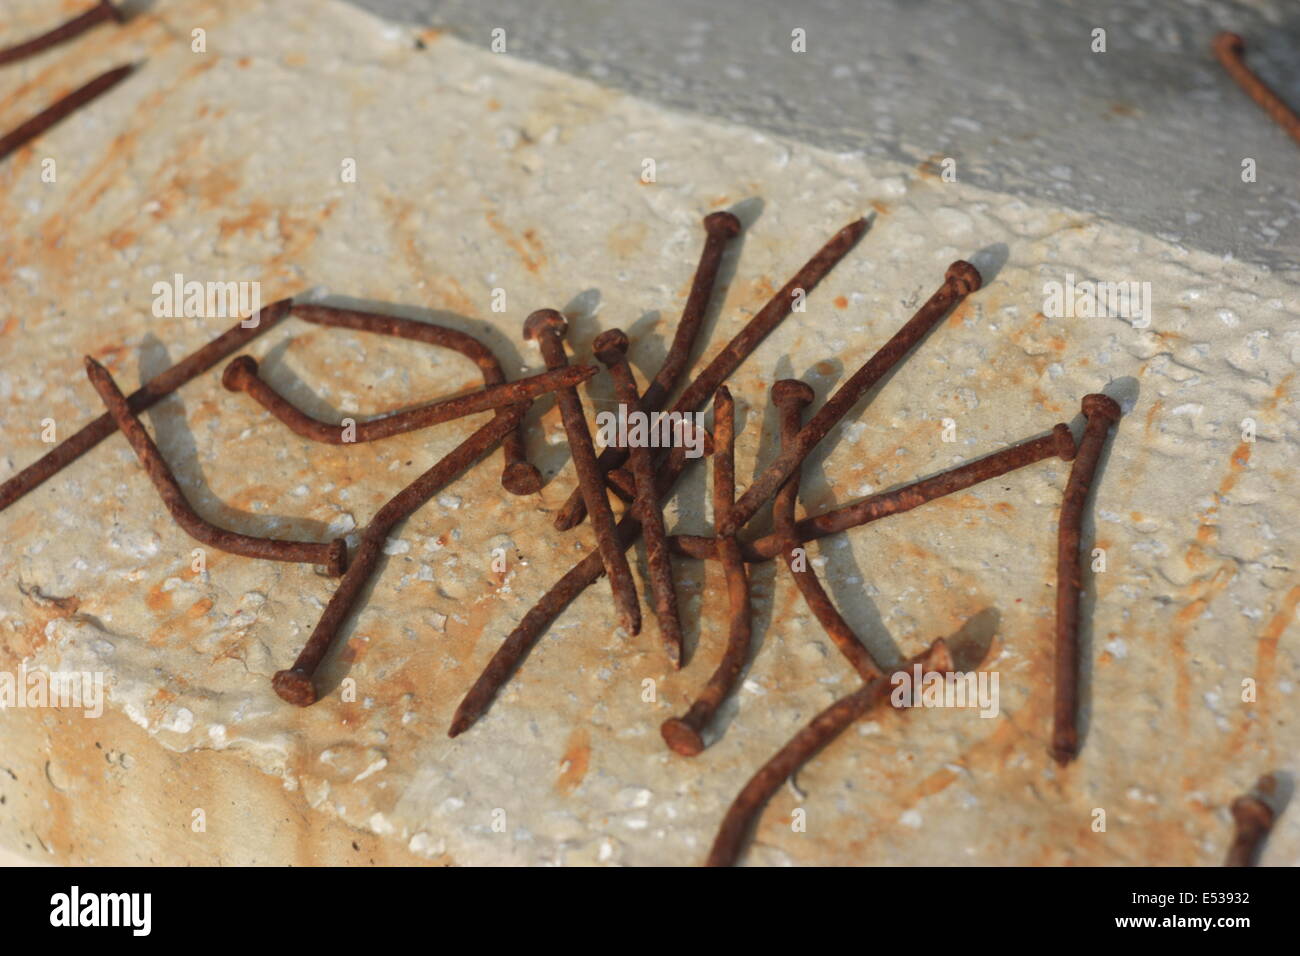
<point>576,761</point>
<point>528,248</point>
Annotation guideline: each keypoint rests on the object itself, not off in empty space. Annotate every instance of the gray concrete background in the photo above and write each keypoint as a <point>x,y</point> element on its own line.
<point>1151,133</point>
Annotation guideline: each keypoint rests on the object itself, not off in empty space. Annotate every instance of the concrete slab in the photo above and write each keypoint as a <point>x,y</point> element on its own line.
<point>479,172</point>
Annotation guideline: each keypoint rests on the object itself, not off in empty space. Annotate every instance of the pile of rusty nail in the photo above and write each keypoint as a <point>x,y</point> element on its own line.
<point>651,478</point>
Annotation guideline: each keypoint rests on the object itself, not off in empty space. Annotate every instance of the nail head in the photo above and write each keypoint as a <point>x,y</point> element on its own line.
<point>521,478</point>
<point>610,346</point>
<point>295,687</point>
<point>544,320</point>
<point>1103,405</point>
<point>681,737</point>
<point>964,277</point>
<point>239,371</point>
<point>722,224</point>
<point>791,391</point>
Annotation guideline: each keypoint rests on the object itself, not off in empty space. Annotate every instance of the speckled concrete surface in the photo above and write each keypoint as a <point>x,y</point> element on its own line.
<point>477,172</point>
<point>1146,133</point>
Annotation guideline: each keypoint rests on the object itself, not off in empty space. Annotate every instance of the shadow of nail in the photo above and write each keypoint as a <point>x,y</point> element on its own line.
<point>990,260</point>
<point>176,442</point>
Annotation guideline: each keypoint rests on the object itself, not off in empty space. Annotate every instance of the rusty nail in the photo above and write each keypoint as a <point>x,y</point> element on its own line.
<point>520,641</point>
<point>547,327</point>
<point>1057,443</point>
<point>1101,411</point>
<point>814,736</point>
<point>961,280</point>
<point>295,684</point>
<point>1254,819</point>
<point>241,376</point>
<point>769,317</point>
<point>144,397</point>
<point>100,13</point>
<point>719,228</point>
<point>74,101</point>
<point>791,396</point>
<point>507,658</point>
<point>333,555</point>
<point>682,734</point>
<point>611,348</point>
<point>1230,50</point>
<point>519,477</point>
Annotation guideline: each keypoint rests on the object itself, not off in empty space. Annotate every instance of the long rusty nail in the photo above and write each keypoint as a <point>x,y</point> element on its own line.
<point>102,12</point>
<point>333,555</point>
<point>74,101</point>
<point>1230,50</point>
<point>144,397</point>
<point>1101,411</point>
<point>507,658</point>
<point>241,376</point>
<point>810,740</point>
<point>768,318</point>
<point>791,396</point>
<point>611,348</point>
<point>683,734</point>
<point>719,229</point>
<point>961,280</point>
<point>1254,820</point>
<point>295,684</point>
<point>519,477</point>
<point>1057,443</point>
<point>547,327</point>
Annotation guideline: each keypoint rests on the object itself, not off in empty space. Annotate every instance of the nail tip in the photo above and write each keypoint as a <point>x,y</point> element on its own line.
<point>464,718</point>
<point>673,647</point>
<point>1063,754</point>
<point>1230,42</point>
